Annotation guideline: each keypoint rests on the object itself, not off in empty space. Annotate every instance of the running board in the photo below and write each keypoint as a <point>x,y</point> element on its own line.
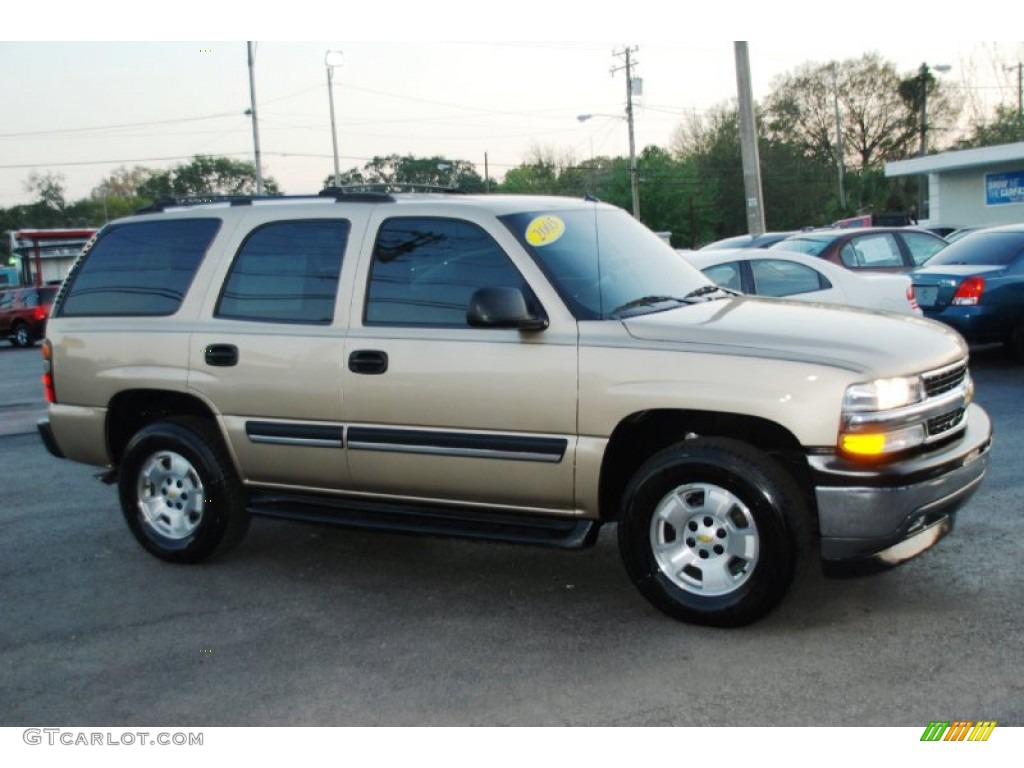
<point>464,523</point>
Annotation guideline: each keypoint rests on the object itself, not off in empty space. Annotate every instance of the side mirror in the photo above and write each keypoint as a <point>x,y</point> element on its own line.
<point>503,307</point>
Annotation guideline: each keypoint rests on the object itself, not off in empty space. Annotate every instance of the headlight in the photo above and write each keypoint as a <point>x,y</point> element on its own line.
<point>884,394</point>
<point>870,428</point>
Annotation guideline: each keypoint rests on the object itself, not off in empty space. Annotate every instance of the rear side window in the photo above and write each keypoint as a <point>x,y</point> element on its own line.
<point>922,247</point>
<point>141,268</point>
<point>871,251</point>
<point>286,272</point>
<point>783,278</point>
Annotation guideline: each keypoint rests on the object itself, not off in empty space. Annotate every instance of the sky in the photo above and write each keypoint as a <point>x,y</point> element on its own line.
<point>106,87</point>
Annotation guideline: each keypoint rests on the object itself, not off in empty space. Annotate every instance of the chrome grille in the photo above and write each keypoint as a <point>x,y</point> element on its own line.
<point>944,379</point>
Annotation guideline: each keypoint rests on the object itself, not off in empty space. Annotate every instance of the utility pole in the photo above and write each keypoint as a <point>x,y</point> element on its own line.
<point>748,143</point>
<point>332,60</point>
<point>634,180</point>
<point>255,124</point>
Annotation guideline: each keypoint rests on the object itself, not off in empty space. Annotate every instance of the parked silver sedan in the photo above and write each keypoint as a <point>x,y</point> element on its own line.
<point>791,275</point>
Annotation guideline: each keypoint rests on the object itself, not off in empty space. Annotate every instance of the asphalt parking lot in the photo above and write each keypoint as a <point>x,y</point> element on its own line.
<point>308,625</point>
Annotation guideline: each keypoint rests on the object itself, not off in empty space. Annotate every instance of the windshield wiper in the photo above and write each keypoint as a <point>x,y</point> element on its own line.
<point>704,290</point>
<point>646,301</point>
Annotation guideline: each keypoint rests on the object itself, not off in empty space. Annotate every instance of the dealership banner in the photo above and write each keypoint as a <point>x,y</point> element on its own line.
<point>1004,188</point>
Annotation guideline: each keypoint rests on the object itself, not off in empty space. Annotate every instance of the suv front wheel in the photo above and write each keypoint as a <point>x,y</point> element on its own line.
<point>711,531</point>
<point>179,491</point>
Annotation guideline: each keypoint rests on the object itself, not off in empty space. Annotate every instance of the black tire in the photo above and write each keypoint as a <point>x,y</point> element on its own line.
<point>21,336</point>
<point>712,532</point>
<point>179,492</point>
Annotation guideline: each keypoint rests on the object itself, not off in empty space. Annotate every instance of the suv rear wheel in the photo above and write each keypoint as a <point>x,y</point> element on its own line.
<point>711,531</point>
<point>179,491</point>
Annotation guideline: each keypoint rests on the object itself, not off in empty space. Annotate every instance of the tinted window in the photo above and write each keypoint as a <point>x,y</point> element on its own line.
<point>425,271</point>
<point>286,272</point>
<point>922,247</point>
<point>773,277</point>
<point>982,248</point>
<point>142,268</point>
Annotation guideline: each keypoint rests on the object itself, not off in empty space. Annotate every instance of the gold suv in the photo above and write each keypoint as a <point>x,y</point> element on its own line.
<point>521,369</point>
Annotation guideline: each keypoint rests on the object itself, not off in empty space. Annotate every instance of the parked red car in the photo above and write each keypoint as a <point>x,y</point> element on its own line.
<point>880,249</point>
<point>23,313</point>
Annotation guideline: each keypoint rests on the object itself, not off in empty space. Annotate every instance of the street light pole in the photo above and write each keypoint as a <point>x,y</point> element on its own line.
<point>330,96</point>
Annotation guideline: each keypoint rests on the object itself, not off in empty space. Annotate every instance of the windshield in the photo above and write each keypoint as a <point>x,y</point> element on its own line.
<point>981,248</point>
<point>602,260</point>
<point>812,246</point>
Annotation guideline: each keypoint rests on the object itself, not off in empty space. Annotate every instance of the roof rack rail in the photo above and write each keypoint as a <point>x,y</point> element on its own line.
<point>351,193</point>
<point>164,203</point>
<point>387,187</point>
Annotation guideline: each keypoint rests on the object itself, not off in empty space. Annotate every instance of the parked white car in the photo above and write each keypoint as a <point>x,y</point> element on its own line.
<point>791,275</point>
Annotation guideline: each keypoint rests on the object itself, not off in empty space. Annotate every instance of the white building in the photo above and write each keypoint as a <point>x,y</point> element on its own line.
<point>970,187</point>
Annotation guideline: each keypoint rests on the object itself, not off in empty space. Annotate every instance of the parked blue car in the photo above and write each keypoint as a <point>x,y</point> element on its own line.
<point>976,285</point>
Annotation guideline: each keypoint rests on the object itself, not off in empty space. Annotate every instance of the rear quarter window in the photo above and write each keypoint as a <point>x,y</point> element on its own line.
<point>138,268</point>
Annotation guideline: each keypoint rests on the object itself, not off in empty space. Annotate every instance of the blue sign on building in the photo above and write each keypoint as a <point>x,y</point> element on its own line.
<point>1004,188</point>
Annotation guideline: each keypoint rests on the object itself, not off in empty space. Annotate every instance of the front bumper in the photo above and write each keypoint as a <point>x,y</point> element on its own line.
<point>884,515</point>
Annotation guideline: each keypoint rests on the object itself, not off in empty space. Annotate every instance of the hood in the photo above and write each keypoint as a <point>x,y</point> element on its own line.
<point>877,343</point>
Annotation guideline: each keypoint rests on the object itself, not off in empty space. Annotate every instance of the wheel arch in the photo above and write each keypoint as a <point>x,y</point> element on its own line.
<point>131,410</point>
<point>643,434</point>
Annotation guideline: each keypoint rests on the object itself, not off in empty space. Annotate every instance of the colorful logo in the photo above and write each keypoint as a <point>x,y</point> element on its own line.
<point>958,730</point>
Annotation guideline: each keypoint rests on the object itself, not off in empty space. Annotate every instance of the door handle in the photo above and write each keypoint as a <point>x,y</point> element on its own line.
<point>223,355</point>
<point>368,361</point>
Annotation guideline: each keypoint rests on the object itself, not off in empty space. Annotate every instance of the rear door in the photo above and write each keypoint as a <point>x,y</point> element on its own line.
<point>269,353</point>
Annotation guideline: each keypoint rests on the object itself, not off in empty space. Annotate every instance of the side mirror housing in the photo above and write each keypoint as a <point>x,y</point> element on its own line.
<point>503,307</point>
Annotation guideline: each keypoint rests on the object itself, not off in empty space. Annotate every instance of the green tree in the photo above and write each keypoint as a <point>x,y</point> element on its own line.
<point>48,189</point>
<point>1006,127</point>
<point>398,170</point>
<point>205,175</point>
<point>545,172</point>
<point>123,183</point>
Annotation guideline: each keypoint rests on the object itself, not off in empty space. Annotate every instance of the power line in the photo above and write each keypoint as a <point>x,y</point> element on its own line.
<point>116,127</point>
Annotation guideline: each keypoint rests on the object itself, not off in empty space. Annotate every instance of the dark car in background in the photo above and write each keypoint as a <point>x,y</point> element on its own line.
<point>23,313</point>
<point>976,285</point>
<point>885,249</point>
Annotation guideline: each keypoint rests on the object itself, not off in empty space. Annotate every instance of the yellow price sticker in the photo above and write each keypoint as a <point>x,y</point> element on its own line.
<point>544,230</point>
